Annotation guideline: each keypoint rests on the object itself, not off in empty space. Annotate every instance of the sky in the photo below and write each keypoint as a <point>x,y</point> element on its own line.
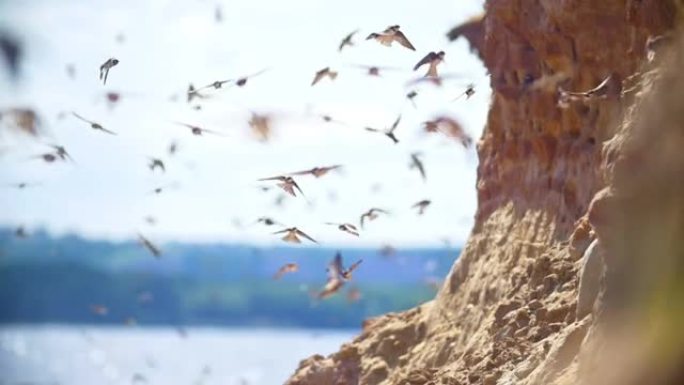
<point>164,45</point>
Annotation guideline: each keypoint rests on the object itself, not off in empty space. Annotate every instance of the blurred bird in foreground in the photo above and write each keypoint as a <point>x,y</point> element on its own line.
<point>261,126</point>
<point>25,120</point>
<point>371,215</point>
<point>337,276</point>
<point>450,127</point>
<point>433,59</point>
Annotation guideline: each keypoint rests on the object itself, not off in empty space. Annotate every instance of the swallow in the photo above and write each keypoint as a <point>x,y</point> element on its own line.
<point>261,126</point>
<point>93,125</point>
<point>20,232</point>
<point>411,96</point>
<point>22,185</point>
<point>48,157</point>
<point>285,269</point>
<point>611,86</point>
<point>422,206</point>
<point>173,148</point>
<point>267,221</point>
<point>325,72</point>
<point>105,67</point>
<point>156,163</point>
<point>161,189</point>
<point>218,84</point>
<point>433,59</point>
<point>450,127</point>
<point>317,171</point>
<point>193,93</point>
<point>468,93</point>
<point>337,276</point>
<point>100,310</point>
<point>418,164</point>
<point>197,130</point>
<point>389,133</point>
<point>347,41</point>
<point>375,70</point>
<point>61,152</point>
<point>371,215</point>
<point>346,227</point>
<point>286,183</point>
<point>389,35</point>
<point>144,242</point>
<point>241,82</point>
<point>292,235</point>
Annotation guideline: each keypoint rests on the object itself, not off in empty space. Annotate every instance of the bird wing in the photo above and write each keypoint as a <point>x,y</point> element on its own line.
<point>347,40</point>
<point>297,187</point>
<point>303,234</point>
<point>354,266</point>
<point>371,129</point>
<point>425,60</point>
<point>395,124</point>
<point>319,75</point>
<point>400,38</point>
<point>81,118</point>
<point>335,268</point>
<point>363,219</point>
<point>106,130</point>
<point>279,177</point>
<point>304,172</point>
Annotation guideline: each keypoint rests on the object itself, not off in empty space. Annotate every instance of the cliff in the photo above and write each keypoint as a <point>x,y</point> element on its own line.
<point>570,273</point>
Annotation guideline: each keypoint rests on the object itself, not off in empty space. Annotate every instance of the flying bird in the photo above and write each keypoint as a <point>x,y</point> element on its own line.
<point>61,152</point>
<point>20,232</point>
<point>218,84</point>
<point>433,59</point>
<point>285,269</point>
<point>347,41</point>
<point>325,72</point>
<point>48,157</point>
<point>422,206</point>
<point>267,221</point>
<point>193,93</point>
<point>611,86</point>
<point>411,96</point>
<point>154,250</point>
<point>197,130</point>
<point>93,125</point>
<point>371,215</point>
<point>469,91</point>
<point>389,35</point>
<point>286,183</point>
<point>241,82</point>
<point>375,70</point>
<point>22,185</point>
<point>105,67</point>
<point>388,133</point>
<point>156,163</point>
<point>450,127</point>
<point>261,126</point>
<point>346,227</point>
<point>317,171</point>
<point>337,276</point>
<point>292,235</point>
<point>418,164</point>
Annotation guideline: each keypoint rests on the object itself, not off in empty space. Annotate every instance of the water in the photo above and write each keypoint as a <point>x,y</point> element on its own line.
<point>117,355</point>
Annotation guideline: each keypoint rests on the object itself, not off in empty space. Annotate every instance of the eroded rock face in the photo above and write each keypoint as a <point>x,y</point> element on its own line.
<point>506,313</point>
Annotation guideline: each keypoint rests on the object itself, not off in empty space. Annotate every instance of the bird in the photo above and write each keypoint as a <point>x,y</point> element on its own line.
<point>389,35</point>
<point>418,164</point>
<point>25,120</point>
<point>218,84</point>
<point>261,126</point>
<point>411,95</point>
<point>241,82</point>
<point>93,125</point>
<point>292,235</point>
<point>317,171</point>
<point>197,130</point>
<point>286,183</point>
<point>173,148</point>
<point>450,127</point>
<point>61,152</point>
<point>371,215</point>
<point>100,310</point>
<point>193,93</point>
<point>469,91</point>
<point>105,67</point>
<point>422,206</point>
<point>48,157</point>
<point>267,221</point>
<point>156,163</point>
<point>389,133</point>
<point>347,41</point>
<point>325,72</point>
<point>433,59</point>
<point>337,276</point>
<point>22,185</point>
<point>154,250</point>
<point>372,70</point>
<point>285,269</point>
<point>346,227</point>
<point>158,190</point>
<point>611,86</point>
<point>20,232</point>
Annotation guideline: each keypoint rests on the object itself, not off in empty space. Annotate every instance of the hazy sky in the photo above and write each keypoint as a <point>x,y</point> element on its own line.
<point>167,44</point>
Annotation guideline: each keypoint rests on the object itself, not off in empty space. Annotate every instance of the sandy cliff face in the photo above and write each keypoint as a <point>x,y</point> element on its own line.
<point>519,306</point>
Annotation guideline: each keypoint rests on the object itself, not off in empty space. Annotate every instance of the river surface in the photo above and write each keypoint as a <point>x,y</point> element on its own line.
<point>131,355</point>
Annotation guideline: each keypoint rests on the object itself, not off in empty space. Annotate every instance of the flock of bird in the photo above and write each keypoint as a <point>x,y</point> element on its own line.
<point>28,121</point>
